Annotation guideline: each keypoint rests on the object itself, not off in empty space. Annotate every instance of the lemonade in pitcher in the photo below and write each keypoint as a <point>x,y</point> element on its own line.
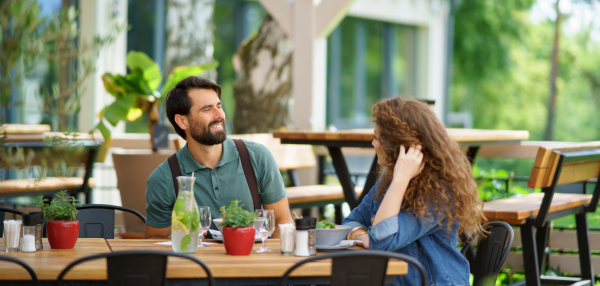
<point>185,218</point>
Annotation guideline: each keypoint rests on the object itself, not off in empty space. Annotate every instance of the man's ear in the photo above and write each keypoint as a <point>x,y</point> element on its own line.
<point>182,121</point>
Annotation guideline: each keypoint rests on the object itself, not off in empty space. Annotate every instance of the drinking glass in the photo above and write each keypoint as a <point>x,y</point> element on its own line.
<point>264,227</point>
<point>204,224</point>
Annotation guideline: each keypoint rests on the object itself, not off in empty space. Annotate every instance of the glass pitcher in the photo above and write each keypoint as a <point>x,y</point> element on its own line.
<point>185,229</point>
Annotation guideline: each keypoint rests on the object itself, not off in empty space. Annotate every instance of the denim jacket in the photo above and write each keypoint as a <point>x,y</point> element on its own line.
<point>420,238</point>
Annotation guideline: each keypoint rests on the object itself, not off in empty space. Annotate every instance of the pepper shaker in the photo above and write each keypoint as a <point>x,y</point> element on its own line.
<point>312,236</point>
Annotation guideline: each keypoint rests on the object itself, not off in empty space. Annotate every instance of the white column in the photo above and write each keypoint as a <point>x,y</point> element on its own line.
<point>437,58</point>
<point>303,15</point>
<point>319,94</point>
<point>97,17</point>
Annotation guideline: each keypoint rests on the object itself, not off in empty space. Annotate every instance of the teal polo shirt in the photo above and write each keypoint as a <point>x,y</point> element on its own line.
<point>214,187</point>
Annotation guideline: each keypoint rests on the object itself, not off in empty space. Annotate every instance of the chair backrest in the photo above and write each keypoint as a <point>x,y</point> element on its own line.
<point>359,267</point>
<point>34,277</point>
<point>287,156</point>
<point>7,210</point>
<point>98,221</point>
<point>491,253</point>
<point>140,267</point>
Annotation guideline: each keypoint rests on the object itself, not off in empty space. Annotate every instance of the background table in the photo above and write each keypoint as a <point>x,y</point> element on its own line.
<point>334,141</point>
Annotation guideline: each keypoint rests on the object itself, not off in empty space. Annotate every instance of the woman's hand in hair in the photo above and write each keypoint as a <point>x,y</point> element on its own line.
<point>409,163</point>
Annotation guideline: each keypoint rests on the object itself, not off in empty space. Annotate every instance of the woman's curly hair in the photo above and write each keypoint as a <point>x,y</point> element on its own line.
<point>445,185</point>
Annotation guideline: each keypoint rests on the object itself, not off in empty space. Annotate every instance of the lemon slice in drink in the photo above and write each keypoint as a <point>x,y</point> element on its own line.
<point>178,226</point>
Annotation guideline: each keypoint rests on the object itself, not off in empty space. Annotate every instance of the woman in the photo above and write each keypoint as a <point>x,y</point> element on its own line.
<point>425,197</point>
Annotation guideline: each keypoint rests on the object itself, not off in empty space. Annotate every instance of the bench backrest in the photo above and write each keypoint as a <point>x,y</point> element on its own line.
<point>583,164</point>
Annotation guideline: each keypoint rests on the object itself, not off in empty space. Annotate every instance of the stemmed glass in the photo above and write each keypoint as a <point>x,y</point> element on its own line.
<point>204,224</point>
<point>264,225</point>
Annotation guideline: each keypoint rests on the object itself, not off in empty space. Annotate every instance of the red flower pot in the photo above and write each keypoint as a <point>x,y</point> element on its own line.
<point>62,235</point>
<point>238,240</point>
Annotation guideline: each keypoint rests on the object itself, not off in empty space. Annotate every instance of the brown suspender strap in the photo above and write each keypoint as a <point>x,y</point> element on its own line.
<point>175,171</point>
<point>246,165</point>
<point>248,171</point>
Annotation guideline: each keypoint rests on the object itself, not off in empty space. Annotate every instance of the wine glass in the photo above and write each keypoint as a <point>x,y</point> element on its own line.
<point>265,225</point>
<point>204,224</point>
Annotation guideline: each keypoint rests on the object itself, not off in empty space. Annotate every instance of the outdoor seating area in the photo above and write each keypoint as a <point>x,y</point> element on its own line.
<point>300,142</point>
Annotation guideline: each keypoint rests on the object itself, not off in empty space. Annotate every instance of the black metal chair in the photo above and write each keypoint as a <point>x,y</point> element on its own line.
<point>34,277</point>
<point>137,267</point>
<point>98,221</point>
<point>491,253</point>
<point>7,210</point>
<point>359,267</point>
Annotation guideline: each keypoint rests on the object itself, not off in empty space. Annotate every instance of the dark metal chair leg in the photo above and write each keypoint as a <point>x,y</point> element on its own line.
<point>583,242</point>
<point>530,257</point>
<point>541,240</point>
<point>338,214</point>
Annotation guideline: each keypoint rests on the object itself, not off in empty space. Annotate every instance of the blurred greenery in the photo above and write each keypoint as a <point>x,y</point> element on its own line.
<point>502,66</point>
<point>496,184</point>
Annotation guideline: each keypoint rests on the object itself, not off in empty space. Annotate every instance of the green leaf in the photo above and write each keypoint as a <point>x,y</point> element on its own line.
<point>185,241</point>
<point>112,85</point>
<point>119,110</point>
<point>103,129</point>
<point>151,70</point>
<point>134,113</point>
<point>181,72</point>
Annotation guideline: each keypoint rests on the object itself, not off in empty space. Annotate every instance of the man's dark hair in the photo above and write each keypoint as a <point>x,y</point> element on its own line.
<point>178,101</point>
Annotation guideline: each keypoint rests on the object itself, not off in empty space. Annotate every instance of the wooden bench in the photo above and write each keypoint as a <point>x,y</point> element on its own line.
<point>555,165</point>
<point>289,158</point>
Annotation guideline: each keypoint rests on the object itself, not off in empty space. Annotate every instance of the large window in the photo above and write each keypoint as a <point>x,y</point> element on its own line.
<point>367,61</point>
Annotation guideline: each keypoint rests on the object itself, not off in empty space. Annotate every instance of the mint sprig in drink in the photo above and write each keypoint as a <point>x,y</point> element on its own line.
<point>185,229</point>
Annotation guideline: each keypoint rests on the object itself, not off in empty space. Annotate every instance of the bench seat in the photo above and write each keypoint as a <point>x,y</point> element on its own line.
<point>517,209</point>
<point>316,195</point>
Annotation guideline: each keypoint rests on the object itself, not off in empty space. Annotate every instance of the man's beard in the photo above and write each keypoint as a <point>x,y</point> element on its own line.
<point>205,136</point>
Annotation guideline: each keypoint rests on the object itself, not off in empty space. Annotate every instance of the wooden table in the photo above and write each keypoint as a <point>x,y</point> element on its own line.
<point>334,141</point>
<point>254,269</point>
<point>44,145</point>
<point>48,263</point>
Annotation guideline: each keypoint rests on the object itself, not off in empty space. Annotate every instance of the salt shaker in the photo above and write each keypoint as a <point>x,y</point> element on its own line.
<point>39,225</point>
<point>302,226</point>
<point>28,244</point>
<point>312,236</point>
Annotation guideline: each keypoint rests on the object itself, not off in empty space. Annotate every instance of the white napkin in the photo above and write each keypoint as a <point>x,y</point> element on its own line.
<point>218,235</point>
<point>170,243</point>
<point>215,233</point>
<point>350,242</point>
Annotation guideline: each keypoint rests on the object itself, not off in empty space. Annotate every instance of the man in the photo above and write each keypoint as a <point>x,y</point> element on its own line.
<point>195,110</point>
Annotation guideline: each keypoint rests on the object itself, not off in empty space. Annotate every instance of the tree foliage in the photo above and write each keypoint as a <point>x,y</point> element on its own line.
<point>502,67</point>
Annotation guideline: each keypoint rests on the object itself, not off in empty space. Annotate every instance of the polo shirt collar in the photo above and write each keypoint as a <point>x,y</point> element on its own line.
<point>190,165</point>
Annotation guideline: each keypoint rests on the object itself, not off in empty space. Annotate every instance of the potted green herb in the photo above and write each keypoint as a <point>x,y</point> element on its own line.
<point>62,228</point>
<point>238,229</point>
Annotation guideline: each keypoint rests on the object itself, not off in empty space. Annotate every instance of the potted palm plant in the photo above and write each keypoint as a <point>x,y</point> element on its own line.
<point>238,229</point>
<point>62,227</point>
